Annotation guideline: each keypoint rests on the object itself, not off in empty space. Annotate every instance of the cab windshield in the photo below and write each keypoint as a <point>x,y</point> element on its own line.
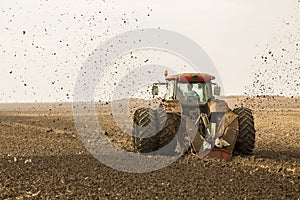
<point>201,91</point>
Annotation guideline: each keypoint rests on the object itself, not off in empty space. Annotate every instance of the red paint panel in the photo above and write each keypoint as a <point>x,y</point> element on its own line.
<point>191,78</point>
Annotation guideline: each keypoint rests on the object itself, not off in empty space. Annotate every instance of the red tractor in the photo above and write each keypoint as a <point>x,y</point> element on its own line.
<point>189,117</point>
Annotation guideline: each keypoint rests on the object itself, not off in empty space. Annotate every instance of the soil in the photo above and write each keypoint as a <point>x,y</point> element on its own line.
<point>42,157</point>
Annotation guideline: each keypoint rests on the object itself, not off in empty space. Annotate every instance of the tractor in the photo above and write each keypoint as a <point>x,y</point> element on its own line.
<point>190,118</point>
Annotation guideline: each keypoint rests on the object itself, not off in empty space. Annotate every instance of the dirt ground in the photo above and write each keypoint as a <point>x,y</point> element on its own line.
<point>43,158</point>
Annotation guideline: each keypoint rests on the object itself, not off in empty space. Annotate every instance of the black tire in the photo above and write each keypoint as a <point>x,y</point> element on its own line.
<point>154,129</point>
<point>246,137</point>
<point>147,123</point>
<point>143,128</point>
<point>161,116</point>
<point>167,134</point>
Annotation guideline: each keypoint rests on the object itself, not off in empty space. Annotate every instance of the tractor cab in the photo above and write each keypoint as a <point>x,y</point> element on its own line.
<point>189,86</point>
<point>190,89</point>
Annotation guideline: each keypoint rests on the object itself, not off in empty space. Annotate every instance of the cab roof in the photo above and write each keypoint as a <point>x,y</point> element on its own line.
<point>191,77</point>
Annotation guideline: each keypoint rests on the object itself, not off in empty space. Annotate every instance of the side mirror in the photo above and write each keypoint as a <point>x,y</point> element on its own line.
<point>154,90</point>
<point>217,90</point>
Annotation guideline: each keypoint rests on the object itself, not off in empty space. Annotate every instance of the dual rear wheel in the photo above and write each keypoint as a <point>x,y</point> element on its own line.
<point>153,129</point>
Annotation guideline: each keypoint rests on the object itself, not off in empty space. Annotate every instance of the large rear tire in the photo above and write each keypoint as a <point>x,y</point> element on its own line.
<point>167,134</point>
<point>147,126</point>
<point>153,129</point>
<point>143,129</point>
<point>246,138</point>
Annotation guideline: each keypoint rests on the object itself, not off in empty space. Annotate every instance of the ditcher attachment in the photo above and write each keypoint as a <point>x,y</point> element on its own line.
<point>222,138</point>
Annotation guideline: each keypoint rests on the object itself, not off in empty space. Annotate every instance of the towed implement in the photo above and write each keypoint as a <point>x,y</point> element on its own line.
<point>191,118</point>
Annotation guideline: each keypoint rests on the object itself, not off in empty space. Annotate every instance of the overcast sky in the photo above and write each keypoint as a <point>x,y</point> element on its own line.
<point>43,44</point>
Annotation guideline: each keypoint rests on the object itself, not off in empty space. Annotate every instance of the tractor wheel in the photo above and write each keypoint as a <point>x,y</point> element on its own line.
<point>147,123</point>
<point>167,134</point>
<point>160,116</point>
<point>144,127</point>
<point>246,137</point>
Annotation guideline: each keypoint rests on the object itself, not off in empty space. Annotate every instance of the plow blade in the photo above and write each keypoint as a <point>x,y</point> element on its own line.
<point>228,131</point>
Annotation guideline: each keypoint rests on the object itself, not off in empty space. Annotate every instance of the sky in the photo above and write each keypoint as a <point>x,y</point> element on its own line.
<point>44,44</point>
